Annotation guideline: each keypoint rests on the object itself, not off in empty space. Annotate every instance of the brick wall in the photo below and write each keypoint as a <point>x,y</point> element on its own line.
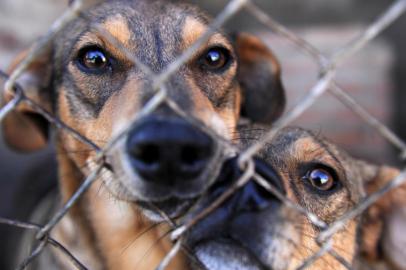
<point>21,21</point>
<point>366,77</point>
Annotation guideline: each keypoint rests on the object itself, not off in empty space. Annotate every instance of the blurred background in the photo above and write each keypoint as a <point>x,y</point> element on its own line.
<point>375,77</point>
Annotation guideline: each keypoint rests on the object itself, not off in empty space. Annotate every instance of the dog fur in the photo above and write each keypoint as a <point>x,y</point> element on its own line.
<point>105,228</point>
<point>108,229</point>
<point>254,230</point>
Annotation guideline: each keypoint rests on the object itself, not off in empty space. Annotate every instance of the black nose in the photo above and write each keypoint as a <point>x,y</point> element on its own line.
<point>251,197</point>
<point>164,151</point>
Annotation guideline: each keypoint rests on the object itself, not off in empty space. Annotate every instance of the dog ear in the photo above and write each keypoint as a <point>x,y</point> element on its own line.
<point>383,236</point>
<point>263,95</point>
<point>23,128</point>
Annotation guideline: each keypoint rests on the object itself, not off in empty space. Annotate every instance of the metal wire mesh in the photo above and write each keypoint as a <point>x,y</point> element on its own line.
<point>326,82</point>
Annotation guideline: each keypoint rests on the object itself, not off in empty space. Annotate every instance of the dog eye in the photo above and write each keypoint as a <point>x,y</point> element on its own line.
<point>93,59</point>
<point>215,59</point>
<point>321,179</point>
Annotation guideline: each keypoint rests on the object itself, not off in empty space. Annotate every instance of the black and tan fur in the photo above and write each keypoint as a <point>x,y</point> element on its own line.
<point>107,229</point>
<point>104,228</point>
<point>254,230</point>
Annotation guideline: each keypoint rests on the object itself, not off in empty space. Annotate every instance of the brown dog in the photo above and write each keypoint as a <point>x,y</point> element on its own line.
<point>91,85</point>
<point>254,230</point>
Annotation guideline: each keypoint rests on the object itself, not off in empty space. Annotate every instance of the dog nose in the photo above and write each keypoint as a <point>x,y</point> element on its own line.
<point>254,197</point>
<point>251,197</point>
<point>164,152</point>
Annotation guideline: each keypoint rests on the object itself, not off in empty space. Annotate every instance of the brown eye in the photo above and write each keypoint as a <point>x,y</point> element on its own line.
<point>93,59</point>
<point>321,179</point>
<point>216,59</point>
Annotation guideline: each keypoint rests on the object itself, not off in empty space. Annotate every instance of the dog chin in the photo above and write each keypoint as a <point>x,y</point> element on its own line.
<point>226,254</point>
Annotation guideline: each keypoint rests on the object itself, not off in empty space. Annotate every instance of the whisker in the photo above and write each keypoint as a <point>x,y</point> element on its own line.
<point>151,247</point>
<point>138,236</point>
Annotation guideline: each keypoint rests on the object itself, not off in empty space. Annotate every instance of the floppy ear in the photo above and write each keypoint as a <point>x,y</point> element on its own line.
<point>23,128</point>
<point>263,95</point>
<point>383,229</point>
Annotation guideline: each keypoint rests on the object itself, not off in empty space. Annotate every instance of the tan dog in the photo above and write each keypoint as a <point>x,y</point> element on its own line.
<point>88,83</point>
<point>254,230</point>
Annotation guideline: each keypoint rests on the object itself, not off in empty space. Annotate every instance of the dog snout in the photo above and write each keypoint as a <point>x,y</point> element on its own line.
<point>165,152</point>
<point>253,196</point>
<point>243,210</point>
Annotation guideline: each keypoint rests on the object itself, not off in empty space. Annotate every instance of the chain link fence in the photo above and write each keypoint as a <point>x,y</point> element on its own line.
<point>328,67</point>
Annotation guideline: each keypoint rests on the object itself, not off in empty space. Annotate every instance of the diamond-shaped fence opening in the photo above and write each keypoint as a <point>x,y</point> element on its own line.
<point>326,82</point>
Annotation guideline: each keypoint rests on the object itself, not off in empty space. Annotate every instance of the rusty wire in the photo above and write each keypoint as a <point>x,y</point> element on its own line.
<point>326,82</point>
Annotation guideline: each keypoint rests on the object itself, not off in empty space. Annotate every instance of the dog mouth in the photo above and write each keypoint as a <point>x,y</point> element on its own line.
<point>225,253</point>
<point>219,246</point>
<point>232,235</point>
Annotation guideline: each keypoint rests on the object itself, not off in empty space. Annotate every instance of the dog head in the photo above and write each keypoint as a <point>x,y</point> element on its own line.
<point>94,87</point>
<point>255,230</point>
